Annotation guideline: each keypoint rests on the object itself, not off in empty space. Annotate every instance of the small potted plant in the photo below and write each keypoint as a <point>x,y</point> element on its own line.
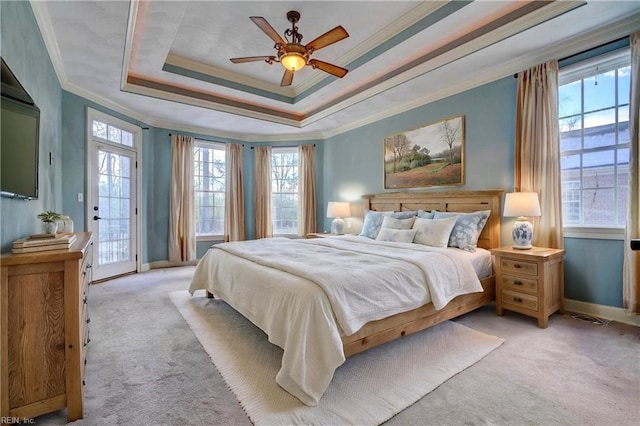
<point>49,221</point>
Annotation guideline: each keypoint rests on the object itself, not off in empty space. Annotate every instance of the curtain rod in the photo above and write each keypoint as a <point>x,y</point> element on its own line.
<point>278,146</point>
<point>207,140</point>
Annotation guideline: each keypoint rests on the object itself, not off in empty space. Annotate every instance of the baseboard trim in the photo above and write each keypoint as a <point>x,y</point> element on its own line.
<point>165,264</point>
<point>601,311</point>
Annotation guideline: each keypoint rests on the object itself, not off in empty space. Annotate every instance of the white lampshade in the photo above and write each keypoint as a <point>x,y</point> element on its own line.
<point>338,210</point>
<point>521,205</point>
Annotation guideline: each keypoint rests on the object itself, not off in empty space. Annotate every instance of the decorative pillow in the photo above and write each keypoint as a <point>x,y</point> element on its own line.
<point>396,235</point>
<point>373,221</point>
<point>433,232</point>
<point>467,229</point>
<point>393,223</point>
<point>425,215</point>
<point>402,215</point>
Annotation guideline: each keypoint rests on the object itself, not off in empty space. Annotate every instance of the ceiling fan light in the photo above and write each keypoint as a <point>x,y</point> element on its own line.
<point>293,61</point>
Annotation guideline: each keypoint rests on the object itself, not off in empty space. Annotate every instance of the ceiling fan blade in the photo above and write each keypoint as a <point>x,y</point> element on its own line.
<point>267,59</point>
<point>268,29</point>
<point>330,68</point>
<point>287,78</point>
<point>330,37</point>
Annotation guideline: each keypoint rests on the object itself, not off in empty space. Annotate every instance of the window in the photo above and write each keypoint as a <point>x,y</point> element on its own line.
<point>209,188</point>
<point>111,133</point>
<point>284,190</point>
<point>593,101</point>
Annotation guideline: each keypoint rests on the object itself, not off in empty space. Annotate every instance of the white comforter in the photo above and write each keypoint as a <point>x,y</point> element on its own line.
<point>304,293</point>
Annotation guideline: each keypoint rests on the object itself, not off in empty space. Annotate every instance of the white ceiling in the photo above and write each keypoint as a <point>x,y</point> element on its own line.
<point>166,63</point>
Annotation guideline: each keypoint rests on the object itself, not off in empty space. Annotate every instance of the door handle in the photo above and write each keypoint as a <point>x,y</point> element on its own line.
<point>96,218</point>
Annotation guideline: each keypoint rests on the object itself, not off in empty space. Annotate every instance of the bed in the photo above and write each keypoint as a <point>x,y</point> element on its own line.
<point>296,299</point>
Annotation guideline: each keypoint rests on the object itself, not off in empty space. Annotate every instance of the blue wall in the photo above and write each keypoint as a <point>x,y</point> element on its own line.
<point>348,165</point>
<point>24,52</point>
<point>353,160</point>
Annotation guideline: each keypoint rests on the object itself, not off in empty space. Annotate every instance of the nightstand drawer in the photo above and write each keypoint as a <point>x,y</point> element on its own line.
<point>518,267</point>
<point>522,300</point>
<point>527,285</point>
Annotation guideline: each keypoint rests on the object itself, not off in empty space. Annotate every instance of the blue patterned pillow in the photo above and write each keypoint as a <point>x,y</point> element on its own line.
<point>373,221</point>
<point>425,215</point>
<point>467,229</point>
<point>396,235</point>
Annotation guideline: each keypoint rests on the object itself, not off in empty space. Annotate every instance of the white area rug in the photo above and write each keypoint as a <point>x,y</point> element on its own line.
<point>367,389</point>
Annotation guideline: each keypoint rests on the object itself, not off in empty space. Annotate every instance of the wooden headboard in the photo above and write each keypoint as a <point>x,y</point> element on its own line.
<point>458,201</point>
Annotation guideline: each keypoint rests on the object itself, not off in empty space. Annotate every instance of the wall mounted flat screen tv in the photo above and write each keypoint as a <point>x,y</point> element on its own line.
<point>20,123</point>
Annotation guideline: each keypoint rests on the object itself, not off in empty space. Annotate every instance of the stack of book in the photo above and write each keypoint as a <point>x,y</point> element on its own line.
<point>44,242</point>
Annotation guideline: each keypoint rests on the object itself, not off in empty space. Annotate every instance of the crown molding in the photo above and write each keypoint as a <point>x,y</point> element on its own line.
<point>128,41</point>
<point>43,19</point>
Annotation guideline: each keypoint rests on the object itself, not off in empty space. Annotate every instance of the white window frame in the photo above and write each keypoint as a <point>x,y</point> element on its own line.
<point>220,147</point>
<point>285,150</point>
<point>581,70</point>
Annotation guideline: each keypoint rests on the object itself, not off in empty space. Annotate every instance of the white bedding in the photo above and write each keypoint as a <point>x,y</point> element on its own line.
<point>299,298</point>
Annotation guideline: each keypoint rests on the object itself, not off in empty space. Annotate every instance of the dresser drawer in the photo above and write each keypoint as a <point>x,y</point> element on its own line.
<point>522,300</point>
<point>526,284</point>
<point>518,267</point>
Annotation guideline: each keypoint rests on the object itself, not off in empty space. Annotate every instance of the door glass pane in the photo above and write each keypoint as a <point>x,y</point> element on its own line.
<point>114,208</point>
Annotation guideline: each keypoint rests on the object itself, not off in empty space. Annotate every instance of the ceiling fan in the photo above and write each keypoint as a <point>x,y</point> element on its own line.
<point>291,53</point>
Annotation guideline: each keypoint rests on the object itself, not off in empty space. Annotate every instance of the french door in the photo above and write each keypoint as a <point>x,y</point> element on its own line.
<point>112,197</point>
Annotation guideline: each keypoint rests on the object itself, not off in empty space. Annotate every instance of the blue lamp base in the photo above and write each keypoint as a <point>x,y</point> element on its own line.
<point>337,226</point>
<point>522,234</point>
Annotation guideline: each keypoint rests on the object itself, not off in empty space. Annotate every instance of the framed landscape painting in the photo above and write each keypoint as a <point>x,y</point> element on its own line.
<point>431,155</point>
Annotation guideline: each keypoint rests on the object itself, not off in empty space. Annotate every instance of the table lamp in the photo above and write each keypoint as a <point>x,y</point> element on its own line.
<point>521,205</point>
<point>338,210</point>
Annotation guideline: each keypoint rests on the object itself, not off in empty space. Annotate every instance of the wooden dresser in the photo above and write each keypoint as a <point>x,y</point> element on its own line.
<point>44,330</point>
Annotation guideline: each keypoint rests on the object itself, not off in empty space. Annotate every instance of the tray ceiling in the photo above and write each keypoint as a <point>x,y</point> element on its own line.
<point>167,63</point>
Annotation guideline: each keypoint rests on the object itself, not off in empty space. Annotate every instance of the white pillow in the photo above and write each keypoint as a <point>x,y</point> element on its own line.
<point>433,232</point>
<point>393,223</point>
<point>396,235</point>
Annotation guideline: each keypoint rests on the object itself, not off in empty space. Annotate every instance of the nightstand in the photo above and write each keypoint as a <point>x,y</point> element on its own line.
<point>530,282</point>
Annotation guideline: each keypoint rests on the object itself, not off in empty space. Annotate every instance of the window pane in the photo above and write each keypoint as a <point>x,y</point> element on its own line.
<point>600,129</point>
<point>570,99</point>
<point>600,91</point>
<point>99,129</point>
<point>209,176</point>
<point>594,160</point>
<point>624,79</point>
<point>599,207</point>
<point>623,125</point>
<point>127,138</point>
<point>115,134</point>
<point>284,192</point>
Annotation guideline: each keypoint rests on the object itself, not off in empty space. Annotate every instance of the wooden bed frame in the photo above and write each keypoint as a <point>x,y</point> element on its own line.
<point>385,330</point>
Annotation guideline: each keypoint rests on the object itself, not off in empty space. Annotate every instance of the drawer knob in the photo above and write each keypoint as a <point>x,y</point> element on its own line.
<point>517,299</point>
<point>517,282</point>
<point>517,266</point>
<point>88,320</point>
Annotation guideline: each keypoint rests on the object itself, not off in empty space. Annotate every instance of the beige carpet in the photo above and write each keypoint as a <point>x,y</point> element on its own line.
<point>368,389</point>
